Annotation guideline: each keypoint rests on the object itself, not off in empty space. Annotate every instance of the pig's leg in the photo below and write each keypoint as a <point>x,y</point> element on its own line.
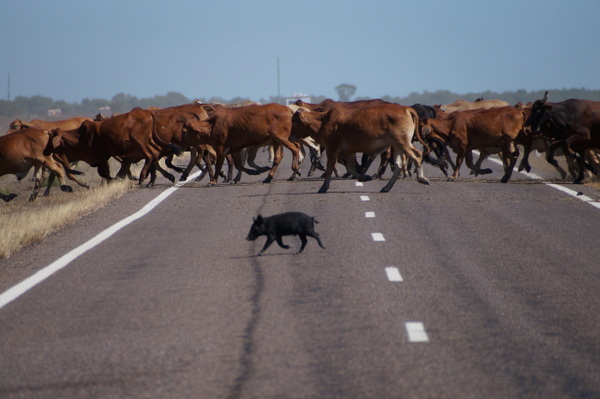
<point>267,244</point>
<point>316,237</point>
<point>304,241</point>
<point>281,244</point>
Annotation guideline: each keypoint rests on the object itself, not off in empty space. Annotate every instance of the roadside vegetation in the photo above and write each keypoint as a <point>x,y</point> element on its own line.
<point>25,223</point>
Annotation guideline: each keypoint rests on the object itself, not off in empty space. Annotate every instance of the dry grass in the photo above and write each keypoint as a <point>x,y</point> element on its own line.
<point>25,223</point>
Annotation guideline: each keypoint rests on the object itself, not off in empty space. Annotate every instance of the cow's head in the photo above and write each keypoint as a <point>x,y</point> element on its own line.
<point>305,123</point>
<point>424,127</point>
<point>540,114</point>
<point>17,125</point>
<point>196,132</point>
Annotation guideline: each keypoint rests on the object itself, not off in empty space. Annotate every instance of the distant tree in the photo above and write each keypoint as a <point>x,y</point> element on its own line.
<point>9,109</point>
<point>345,91</point>
<point>35,105</point>
<point>123,103</point>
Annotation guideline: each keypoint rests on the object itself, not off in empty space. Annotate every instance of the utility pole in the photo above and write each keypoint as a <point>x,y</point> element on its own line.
<point>8,97</point>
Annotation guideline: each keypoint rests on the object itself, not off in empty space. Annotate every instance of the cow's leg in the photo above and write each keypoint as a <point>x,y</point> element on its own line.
<point>331,160</point>
<point>460,156</point>
<point>146,169</point>
<point>509,153</point>
<point>251,157</point>
<point>218,165</point>
<point>396,174</point>
<point>124,170</point>
<point>194,158</point>
<point>294,149</point>
<point>49,184</point>
<point>239,159</point>
<point>169,163</point>
<point>37,182</point>
<point>524,164</point>
<point>385,158</point>
<point>415,155</point>
<point>483,154</point>
<point>164,172</point>
<point>56,170</point>
<point>470,165</point>
<point>351,167</point>
<point>440,151</point>
<point>277,156</point>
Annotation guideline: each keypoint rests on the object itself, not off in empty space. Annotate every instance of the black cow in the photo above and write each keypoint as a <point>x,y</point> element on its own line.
<point>574,124</point>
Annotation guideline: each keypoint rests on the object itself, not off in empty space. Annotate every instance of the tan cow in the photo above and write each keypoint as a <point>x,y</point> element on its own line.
<point>65,124</point>
<point>371,129</point>
<point>464,105</point>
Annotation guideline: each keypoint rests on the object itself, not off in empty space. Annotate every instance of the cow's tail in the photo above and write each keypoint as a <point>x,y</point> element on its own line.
<point>417,133</point>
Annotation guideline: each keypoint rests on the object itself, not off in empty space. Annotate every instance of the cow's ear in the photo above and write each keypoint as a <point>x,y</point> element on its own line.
<point>56,140</point>
<point>258,220</point>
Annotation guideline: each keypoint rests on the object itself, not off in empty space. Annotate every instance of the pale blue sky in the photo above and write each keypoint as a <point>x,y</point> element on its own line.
<point>74,49</point>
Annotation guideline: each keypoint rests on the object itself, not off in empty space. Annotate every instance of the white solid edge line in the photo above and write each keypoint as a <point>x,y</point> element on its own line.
<point>558,187</point>
<point>21,288</point>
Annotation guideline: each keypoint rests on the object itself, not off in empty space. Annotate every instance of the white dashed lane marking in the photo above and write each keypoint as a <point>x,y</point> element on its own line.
<point>377,237</point>
<point>416,332</point>
<point>393,274</point>
<point>359,184</point>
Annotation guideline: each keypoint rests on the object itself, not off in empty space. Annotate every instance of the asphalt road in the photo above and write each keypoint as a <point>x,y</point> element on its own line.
<point>468,289</point>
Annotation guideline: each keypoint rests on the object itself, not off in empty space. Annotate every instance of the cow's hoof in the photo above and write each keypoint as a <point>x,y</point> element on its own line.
<point>66,189</point>
<point>268,179</point>
<point>423,180</point>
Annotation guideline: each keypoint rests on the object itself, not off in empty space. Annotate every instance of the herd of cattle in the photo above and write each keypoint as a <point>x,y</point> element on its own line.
<point>213,133</point>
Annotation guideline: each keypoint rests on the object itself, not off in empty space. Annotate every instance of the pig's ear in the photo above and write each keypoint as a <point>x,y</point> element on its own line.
<point>258,219</point>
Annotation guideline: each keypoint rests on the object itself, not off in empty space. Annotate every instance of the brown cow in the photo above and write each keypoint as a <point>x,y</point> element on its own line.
<point>229,130</point>
<point>65,124</point>
<point>131,137</point>
<point>465,131</point>
<point>26,149</point>
<point>371,129</point>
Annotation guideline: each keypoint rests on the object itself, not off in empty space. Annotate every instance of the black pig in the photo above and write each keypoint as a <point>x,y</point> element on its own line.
<point>284,224</point>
